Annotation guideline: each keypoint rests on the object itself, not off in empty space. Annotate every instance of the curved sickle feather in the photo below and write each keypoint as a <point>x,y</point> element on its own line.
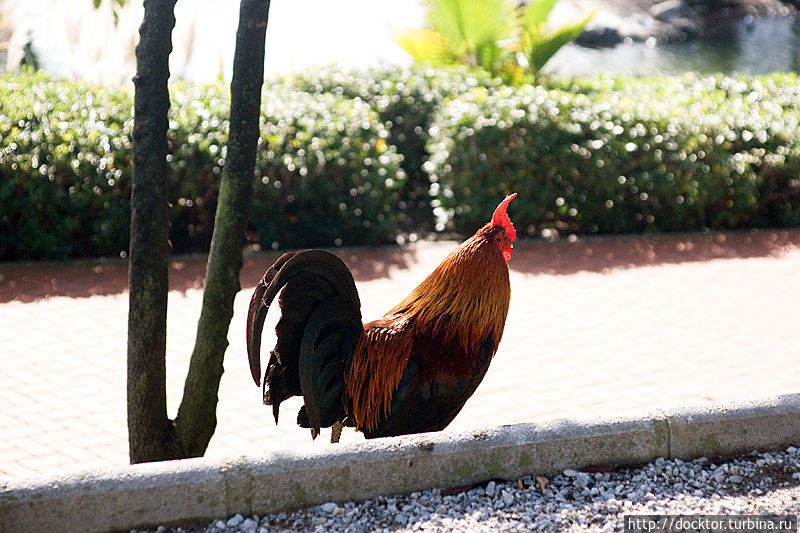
<point>257,313</point>
<point>290,264</point>
<point>322,358</point>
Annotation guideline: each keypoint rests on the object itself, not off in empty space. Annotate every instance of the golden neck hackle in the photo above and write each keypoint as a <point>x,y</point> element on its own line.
<point>466,295</point>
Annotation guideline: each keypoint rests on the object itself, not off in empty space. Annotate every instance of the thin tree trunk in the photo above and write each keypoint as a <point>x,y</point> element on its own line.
<point>196,420</point>
<point>148,426</point>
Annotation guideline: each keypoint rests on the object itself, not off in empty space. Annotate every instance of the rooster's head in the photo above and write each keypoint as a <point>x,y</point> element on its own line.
<point>500,219</point>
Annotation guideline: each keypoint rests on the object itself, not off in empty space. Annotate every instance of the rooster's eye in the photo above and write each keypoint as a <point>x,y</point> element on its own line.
<point>502,238</point>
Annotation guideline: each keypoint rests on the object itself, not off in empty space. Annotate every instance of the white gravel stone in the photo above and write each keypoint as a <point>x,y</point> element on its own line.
<point>248,525</point>
<point>490,489</point>
<point>234,521</point>
<point>329,507</point>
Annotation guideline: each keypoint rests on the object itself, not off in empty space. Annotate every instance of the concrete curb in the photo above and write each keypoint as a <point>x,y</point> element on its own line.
<point>200,489</point>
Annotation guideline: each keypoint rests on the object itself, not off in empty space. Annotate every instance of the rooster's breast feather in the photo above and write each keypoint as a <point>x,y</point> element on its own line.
<point>436,382</point>
<point>434,347</point>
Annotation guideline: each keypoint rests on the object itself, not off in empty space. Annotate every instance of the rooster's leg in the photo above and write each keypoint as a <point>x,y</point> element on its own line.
<point>336,431</point>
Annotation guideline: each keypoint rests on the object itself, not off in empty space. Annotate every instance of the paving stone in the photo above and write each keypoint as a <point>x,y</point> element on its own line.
<point>598,326</point>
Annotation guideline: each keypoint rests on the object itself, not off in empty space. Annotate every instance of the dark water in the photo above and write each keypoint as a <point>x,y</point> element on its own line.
<point>749,46</point>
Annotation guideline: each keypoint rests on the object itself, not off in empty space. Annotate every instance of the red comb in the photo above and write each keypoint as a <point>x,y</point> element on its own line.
<point>500,217</point>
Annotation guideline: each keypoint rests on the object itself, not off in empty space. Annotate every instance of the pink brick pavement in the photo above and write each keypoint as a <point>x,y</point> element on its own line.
<point>596,326</point>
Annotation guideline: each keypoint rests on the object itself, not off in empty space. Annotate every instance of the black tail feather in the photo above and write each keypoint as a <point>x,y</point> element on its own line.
<point>320,323</point>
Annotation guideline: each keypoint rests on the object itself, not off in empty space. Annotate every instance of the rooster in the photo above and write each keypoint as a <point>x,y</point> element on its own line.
<point>410,371</point>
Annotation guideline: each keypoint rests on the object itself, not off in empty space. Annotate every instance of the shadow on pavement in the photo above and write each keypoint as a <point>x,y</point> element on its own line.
<point>600,254</point>
<point>27,282</point>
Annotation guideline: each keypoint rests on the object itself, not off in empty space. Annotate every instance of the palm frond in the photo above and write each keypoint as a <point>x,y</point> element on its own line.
<point>471,24</point>
<point>491,57</point>
<point>536,12</point>
<point>488,34</point>
<point>425,46</point>
<point>540,45</point>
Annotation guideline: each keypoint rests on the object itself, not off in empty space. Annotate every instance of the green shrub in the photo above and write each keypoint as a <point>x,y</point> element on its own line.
<point>325,173</point>
<point>197,137</point>
<point>344,158</point>
<point>620,156</point>
<point>406,101</point>
<point>65,169</point>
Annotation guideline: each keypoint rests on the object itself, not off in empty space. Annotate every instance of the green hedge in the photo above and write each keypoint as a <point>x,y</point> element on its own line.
<point>406,100</point>
<point>65,169</point>
<point>354,158</point>
<point>620,156</point>
<point>325,173</point>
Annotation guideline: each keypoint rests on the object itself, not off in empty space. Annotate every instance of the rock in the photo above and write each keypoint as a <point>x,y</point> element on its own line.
<point>235,521</point>
<point>248,525</point>
<point>600,37</point>
<point>642,21</point>
<point>678,15</point>
<point>329,507</point>
<point>582,480</point>
<point>542,483</point>
<point>671,10</point>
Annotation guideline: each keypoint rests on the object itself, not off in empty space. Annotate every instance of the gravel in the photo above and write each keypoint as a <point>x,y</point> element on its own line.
<point>591,500</point>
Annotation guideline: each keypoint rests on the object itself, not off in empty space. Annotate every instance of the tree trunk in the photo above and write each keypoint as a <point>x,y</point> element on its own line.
<point>152,436</point>
<point>148,426</point>
<point>196,420</point>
